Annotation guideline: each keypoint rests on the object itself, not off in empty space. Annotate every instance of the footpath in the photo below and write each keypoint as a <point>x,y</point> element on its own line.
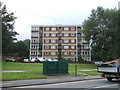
<point>49,80</point>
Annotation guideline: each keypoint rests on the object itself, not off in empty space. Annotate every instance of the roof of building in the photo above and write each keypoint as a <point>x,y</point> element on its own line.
<point>56,25</point>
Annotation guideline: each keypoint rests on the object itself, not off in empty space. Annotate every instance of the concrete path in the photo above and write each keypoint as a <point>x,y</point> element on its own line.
<point>14,71</point>
<point>89,70</point>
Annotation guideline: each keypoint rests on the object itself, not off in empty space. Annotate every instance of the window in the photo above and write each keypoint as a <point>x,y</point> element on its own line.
<point>72,28</point>
<point>53,41</point>
<point>86,47</point>
<point>34,46</point>
<point>66,47</point>
<point>46,41</point>
<point>83,40</point>
<point>46,53</point>
<point>72,47</point>
<point>46,47</point>
<point>31,46</point>
<point>53,34</point>
<point>53,28</point>
<point>53,47</point>
<point>66,34</point>
<point>47,29</point>
<point>72,53</point>
<point>85,53</point>
<point>66,28</point>
<point>66,53</point>
<point>34,34</point>
<point>72,34</point>
<point>47,34</point>
<point>34,53</point>
<point>34,40</point>
<point>66,41</point>
<point>35,28</point>
<point>72,41</point>
<point>53,53</point>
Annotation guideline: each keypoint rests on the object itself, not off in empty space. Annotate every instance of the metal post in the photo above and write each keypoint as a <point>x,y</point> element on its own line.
<point>75,67</point>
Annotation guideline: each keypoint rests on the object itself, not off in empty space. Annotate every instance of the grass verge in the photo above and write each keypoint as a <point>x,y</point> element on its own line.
<point>35,70</point>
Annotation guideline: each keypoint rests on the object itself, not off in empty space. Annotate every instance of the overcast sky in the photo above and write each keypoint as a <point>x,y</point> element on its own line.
<point>51,12</point>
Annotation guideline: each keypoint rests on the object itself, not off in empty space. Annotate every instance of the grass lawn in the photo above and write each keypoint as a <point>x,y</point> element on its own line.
<point>35,70</point>
<point>83,67</point>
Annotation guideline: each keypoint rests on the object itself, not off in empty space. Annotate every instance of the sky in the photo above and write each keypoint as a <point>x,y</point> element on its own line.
<point>51,12</point>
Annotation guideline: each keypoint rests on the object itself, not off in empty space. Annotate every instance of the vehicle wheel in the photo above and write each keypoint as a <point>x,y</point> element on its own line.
<point>109,78</point>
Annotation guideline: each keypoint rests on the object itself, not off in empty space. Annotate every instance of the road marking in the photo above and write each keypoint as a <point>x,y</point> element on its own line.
<point>105,86</point>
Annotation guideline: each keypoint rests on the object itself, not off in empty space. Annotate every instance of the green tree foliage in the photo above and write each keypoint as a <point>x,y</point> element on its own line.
<point>8,35</point>
<point>102,28</point>
<point>20,48</point>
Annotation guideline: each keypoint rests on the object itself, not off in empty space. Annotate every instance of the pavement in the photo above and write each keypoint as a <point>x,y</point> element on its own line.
<point>49,80</point>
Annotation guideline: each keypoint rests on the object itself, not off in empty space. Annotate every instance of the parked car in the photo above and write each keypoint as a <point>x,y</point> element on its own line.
<point>51,59</point>
<point>26,60</point>
<point>10,59</point>
<point>40,59</point>
<point>33,60</point>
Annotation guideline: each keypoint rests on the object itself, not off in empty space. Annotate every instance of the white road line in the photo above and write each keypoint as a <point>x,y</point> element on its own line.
<point>105,86</point>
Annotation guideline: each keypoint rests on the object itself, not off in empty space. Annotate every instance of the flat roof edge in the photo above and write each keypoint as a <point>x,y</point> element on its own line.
<point>57,25</point>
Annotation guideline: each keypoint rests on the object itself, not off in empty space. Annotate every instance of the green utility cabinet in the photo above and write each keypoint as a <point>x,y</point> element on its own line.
<point>58,67</point>
<point>62,67</point>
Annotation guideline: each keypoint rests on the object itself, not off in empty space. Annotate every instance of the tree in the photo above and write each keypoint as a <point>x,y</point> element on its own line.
<point>101,28</point>
<point>20,48</point>
<point>8,35</point>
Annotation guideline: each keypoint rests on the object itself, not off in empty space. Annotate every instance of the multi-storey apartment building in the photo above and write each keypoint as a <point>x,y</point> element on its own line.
<point>48,41</point>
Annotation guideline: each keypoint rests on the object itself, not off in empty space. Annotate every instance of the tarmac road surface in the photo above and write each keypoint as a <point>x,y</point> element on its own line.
<point>87,84</point>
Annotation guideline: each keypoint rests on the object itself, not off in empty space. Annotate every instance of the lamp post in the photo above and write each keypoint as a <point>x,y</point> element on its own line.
<point>75,65</point>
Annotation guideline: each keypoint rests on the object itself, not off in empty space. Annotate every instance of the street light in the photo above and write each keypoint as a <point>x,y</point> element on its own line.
<point>75,65</point>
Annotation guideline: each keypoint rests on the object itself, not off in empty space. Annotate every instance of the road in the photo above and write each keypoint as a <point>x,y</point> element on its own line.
<point>87,84</point>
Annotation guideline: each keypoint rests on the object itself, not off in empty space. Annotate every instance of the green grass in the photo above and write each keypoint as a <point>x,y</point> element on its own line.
<point>35,70</point>
<point>32,71</point>
<point>21,76</point>
<point>82,67</point>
